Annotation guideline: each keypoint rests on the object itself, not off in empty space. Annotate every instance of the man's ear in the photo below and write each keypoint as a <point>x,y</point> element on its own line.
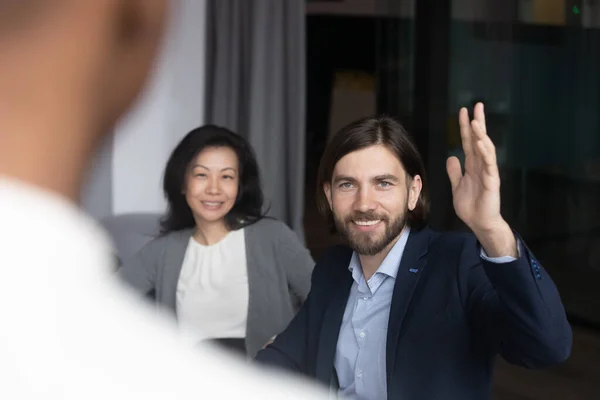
<point>414,191</point>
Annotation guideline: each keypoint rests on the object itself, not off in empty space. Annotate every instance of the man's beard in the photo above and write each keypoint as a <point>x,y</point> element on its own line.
<point>370,243</point>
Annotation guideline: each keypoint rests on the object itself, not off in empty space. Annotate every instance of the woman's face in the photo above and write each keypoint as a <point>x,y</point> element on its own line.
<point>211,184</point>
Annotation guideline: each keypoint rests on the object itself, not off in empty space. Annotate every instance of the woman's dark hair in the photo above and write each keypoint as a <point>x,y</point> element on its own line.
<point>249,202</point>
<point>365,133</point>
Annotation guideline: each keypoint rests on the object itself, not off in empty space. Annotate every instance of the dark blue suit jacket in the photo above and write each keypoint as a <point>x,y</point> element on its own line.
<point>451,313</point>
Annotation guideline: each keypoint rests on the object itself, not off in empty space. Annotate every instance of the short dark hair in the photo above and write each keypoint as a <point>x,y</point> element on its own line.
<point>19,14</point>
<point>249,202</point>
<point>368,132</point>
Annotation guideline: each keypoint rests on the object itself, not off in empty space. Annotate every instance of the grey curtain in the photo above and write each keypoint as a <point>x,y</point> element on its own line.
<point>255,76</point>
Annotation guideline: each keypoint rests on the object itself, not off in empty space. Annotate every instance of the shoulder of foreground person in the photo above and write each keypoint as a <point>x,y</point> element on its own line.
<point>205,371</point>
<point>117,348</point>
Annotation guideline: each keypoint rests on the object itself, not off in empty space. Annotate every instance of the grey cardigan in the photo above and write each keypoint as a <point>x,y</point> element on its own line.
<point>279,273</point>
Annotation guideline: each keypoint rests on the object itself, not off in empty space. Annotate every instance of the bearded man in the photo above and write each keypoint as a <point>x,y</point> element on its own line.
<point>401,311</point>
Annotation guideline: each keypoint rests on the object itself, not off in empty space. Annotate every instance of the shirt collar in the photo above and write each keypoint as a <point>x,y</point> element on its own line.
<point>390,264</point>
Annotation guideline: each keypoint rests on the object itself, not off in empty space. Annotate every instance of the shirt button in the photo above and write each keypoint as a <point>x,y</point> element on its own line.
<point>365,298</point>
<point>359,373</point>
<point>362,334</point>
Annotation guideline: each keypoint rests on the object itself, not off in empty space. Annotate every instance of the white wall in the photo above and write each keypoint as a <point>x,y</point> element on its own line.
<point>172,105</point>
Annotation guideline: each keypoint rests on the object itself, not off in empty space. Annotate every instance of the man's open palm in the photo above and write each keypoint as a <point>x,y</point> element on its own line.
<point>476,194</point>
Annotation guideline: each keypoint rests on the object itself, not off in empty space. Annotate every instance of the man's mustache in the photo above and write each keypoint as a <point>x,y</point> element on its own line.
<point>365,216</point>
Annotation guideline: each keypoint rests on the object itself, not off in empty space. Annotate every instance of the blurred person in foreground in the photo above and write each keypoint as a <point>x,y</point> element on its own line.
<point>402,311</point>
<point>68,70</point>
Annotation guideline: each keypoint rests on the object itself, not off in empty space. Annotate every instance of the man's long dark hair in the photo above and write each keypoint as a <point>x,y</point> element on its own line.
<point>249,202</point>
<point>365,133</point>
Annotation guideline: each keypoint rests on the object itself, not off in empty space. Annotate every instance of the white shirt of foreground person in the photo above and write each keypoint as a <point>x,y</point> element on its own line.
<point>68,331</point>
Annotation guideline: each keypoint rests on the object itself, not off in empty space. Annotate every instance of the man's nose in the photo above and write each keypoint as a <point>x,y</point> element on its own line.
<point>365,200</point>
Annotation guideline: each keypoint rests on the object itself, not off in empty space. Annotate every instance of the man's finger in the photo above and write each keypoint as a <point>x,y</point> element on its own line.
<point>490,166</point>
<point>479,116</point>
<point>454,171</point>
<point>466,136</point>
<point>480,135</point>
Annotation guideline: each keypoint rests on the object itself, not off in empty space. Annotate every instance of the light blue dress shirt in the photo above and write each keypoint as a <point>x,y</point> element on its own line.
<point>361,348</point>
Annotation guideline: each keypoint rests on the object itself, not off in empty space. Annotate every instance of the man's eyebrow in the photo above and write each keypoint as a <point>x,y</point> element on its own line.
<point>386,177</point>
<point>340,178</point>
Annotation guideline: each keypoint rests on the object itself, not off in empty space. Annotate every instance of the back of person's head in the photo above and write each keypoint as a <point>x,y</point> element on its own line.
<point>68,70</point>
<point>367,132</point>
<point>89,57</point>
<point>239,189</point>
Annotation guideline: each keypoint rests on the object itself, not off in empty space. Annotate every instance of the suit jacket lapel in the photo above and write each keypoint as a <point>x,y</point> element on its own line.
<point>332,321</point>
<point>411,266</point>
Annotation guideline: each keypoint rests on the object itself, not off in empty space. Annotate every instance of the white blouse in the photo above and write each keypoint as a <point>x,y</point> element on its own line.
<point>212,292</point>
